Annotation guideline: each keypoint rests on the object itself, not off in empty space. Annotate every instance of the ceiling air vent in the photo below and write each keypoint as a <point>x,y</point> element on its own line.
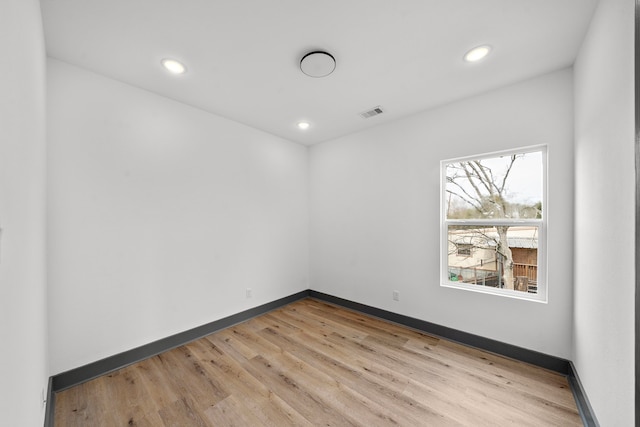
<point>372,112</point>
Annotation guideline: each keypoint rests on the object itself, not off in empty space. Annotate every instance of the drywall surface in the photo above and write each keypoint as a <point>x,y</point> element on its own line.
<point>161,216</point>
<point>605,211</point>
<point>23,358</point>
<point>375,212</point>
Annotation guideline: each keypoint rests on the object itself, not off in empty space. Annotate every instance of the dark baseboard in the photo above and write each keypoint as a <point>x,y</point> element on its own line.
<point>585,409</point>
<point>522,354</point>
<point>85,373</point>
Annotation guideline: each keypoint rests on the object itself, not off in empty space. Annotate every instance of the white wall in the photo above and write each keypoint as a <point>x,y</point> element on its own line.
<point>161,215</point>
<point>375,212</point>
<point>23,358</point>
<point>605,209</point>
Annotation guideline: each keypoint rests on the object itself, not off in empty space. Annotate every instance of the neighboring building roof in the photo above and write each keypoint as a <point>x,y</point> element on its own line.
<point>525,238</point>
<point>523,242</point>
<point>519,242</point>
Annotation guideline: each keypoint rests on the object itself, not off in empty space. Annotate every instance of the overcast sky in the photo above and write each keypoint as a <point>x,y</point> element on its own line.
<point>524,184</point>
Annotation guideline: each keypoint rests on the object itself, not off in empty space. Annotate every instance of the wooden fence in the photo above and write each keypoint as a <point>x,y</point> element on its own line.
<point>526,270</point>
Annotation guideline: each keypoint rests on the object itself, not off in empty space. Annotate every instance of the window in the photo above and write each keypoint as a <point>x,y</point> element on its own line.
<point>493,223</point>
<point>464,249</point>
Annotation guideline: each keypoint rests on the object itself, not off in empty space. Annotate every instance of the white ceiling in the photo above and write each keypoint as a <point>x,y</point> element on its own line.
<point>243,55</point>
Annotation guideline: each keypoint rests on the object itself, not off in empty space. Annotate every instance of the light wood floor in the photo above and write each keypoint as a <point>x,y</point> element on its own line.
<point>312,363</point>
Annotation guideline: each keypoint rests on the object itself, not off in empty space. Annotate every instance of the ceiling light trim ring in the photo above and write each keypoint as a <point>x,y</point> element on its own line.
<point>318,63</point>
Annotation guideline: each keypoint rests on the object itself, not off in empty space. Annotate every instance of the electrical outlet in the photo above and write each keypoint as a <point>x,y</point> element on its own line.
<point>396,296</point>
<point>249,293</point>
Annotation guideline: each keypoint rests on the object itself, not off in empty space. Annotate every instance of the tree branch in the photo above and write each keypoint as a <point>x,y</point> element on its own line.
<point>477,205</point>
<point>470,175</point>
<point>484,178</point>
<point>506,175</point>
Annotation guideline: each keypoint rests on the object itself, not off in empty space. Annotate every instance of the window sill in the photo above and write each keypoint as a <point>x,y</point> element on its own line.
<point>508,293</point>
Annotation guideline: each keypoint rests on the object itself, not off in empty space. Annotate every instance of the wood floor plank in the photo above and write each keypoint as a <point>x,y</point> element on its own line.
<point>413,412</point>
<point>544,383</point>
<point>160,390</point>
<point>495,369</point>
<point>181,413</point>
<point>313,363</point>
<point>190,378</point>
<point>301,397</point>
<point>373,379</point>
<point>122,389</point>
<point>259,399</point>
<point>77,408</point>
<point>438,376</point>
<point>233,413</point>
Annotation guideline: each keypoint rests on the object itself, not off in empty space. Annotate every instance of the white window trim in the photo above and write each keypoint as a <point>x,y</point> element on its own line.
<point>542,224</point>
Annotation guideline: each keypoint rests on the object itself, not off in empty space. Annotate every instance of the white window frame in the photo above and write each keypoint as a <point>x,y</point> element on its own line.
<point>542,290</point>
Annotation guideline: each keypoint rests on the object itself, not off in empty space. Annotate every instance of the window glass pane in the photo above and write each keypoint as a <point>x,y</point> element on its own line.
<point>501,256</point>
<point>508,186</point>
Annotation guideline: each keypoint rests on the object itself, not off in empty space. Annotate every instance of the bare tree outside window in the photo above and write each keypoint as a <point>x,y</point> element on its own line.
<point>494,206</point>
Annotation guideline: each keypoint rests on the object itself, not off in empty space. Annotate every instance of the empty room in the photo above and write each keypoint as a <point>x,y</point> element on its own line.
<point>356,213</point>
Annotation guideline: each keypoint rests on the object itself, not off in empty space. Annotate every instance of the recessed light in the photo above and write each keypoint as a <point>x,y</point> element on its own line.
<point>173,66</point>
<point>477,53</point>
<point>303,125</point>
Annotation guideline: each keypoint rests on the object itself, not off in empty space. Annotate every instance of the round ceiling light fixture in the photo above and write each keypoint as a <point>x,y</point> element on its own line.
<point>303,125</point>
<point>318,64</point>
<point>477,53</point>
<point>173,66</point>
